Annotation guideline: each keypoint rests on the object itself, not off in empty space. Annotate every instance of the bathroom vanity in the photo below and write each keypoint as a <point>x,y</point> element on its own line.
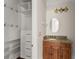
<point>56,47</point>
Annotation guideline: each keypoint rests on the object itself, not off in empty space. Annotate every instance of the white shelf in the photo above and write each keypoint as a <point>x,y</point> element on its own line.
<point>14,40</point>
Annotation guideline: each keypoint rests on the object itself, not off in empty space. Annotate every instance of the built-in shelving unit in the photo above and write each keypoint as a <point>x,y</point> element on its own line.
<point>26,29</point>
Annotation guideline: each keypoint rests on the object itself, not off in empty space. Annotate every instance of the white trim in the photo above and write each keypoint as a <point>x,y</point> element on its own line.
<point>34,30</point>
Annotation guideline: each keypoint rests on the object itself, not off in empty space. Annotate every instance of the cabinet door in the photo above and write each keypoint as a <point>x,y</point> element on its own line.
<point>51,52</point>
<point>67,51</point>
<point>45,53</point>
<point>55,50</point>
<point>45,50</point>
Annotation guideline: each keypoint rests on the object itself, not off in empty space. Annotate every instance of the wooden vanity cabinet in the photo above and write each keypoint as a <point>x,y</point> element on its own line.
<point>56,49</point>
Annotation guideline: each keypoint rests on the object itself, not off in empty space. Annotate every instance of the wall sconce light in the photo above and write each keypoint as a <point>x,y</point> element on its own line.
<point>61,10</point>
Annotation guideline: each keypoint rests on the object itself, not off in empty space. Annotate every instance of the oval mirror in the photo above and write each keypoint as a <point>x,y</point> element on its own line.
<point>54,25</point>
